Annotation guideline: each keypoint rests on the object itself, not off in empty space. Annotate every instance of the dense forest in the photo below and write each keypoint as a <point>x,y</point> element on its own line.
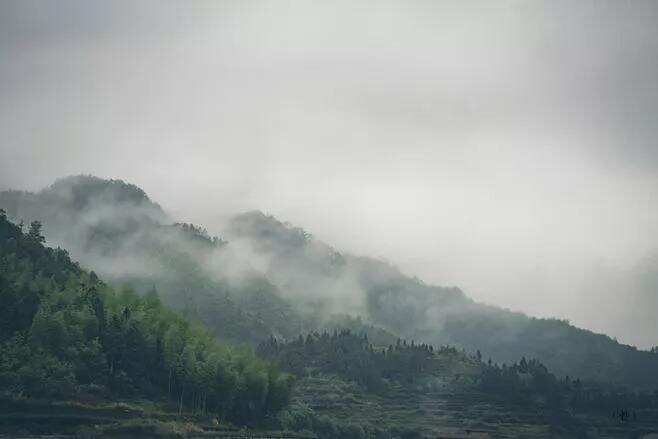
<point>265,277</point>
<point>266,325</point>
<point>412,309</point>
<point>445,381</point>
<point>421,367</point>
<point>66,334</point>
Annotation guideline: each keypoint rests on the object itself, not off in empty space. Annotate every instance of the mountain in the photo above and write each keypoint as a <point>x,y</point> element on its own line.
<point>374,353</point>
<point>78,356</point>
<point>87,211</point>
<point>406,306</point>
<point>266,277</point>
<point>114,227</point>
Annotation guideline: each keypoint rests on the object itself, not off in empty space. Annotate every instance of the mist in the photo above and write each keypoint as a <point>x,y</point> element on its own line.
<point>507,148</point>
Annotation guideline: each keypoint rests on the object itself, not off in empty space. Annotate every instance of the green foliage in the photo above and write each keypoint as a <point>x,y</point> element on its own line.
<point>63,330</point>
<point>34,232</point>
<point>300,417</point>
<point>419,367</point>
<point>199,235</point>
<point>25,371</point>
<point>354,358</point>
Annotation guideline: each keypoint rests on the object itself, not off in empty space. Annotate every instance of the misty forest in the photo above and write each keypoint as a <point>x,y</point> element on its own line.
<point>233,220</point>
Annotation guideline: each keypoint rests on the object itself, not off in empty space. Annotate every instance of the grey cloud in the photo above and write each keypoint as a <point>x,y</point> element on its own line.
<point>499,146</point>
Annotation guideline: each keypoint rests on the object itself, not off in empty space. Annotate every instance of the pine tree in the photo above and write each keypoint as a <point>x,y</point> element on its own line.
<point>34,232</point>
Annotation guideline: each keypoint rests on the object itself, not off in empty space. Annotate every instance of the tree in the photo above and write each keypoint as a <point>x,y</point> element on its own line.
<point>35,232</point>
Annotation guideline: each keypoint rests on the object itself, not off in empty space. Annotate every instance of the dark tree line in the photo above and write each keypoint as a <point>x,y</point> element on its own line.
<point>529,381</point>
<point>354,358</point>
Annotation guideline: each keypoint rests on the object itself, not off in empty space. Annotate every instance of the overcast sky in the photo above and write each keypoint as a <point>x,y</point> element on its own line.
<point>506,147</point>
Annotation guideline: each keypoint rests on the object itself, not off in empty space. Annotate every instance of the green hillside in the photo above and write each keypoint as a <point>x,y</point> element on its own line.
<point>349,385</point>
<point>436,315</point>
<point>67,336</point>
<point>114,228</point>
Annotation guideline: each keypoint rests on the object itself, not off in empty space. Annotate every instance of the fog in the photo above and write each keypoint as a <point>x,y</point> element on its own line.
<point>504,147</point>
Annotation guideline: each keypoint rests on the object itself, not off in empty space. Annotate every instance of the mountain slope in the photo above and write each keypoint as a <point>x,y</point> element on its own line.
<point>413,390</point>
<point>436,315</point>
<point>114,227</point>
<point>274,278</point>
<point>66,335</point>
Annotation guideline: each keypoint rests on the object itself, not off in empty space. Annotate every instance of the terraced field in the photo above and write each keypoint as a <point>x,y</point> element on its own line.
<point>449,412</point>
<point>137,419</point>
<point>455,413</point>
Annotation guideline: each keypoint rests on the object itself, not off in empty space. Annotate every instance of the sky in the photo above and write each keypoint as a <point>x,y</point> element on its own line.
<point>505,147</point>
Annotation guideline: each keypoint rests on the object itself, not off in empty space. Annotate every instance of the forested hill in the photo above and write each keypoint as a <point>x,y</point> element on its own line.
<point>114,228</point>
<point>437,315</point>
<point>100,209</point>
<point>66,335</point>
<point>411,390</point>
<point>265,277</point>
<point>70,343</point>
